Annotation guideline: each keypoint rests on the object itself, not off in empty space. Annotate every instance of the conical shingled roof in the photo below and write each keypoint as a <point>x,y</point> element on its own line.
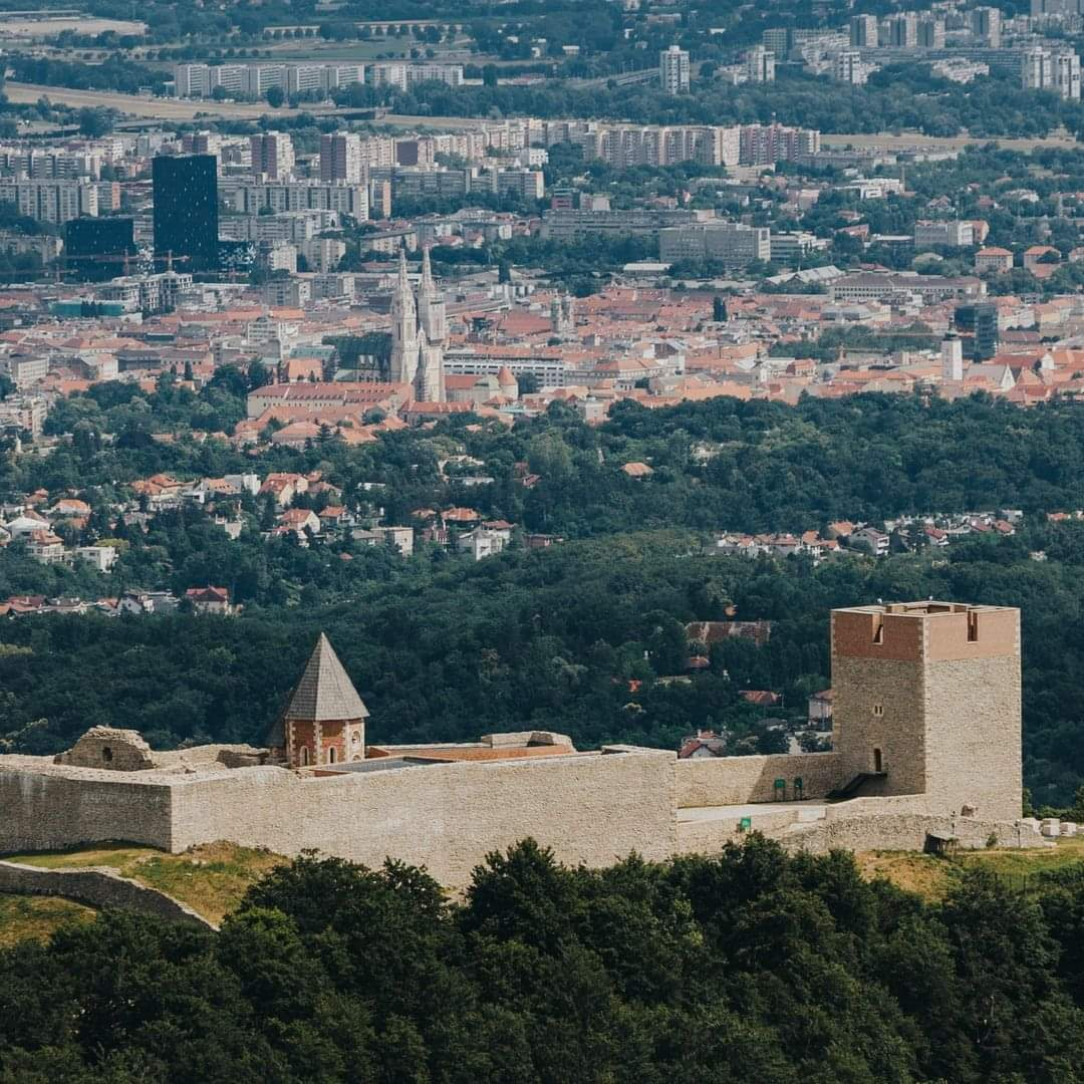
<point>325,691</point>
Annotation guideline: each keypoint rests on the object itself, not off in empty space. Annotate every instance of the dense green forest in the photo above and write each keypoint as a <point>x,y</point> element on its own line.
<point>895,98</point>
<point>747,966</point>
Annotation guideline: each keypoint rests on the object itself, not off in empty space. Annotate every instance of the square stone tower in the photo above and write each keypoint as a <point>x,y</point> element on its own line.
<point>927,702</point>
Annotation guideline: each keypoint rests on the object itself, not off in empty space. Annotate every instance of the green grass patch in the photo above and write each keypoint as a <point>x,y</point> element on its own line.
<point>37,918</point>
<point>932,877</point>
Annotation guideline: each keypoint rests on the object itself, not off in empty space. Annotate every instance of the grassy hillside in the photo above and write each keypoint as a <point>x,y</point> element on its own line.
<point>932,877</point>
<point>36,918</point>
<point>211,879</point>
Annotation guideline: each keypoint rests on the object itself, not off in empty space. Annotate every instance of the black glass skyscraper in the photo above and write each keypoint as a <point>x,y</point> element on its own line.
<point>95,248</point>
<point>186,210</point>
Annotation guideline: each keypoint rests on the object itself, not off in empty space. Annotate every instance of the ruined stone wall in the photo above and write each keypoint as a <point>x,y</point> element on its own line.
<point>111,749</point>
<point>95,888</point>
<point>904,832</point>
<point>43,811</point>
<point>705,781</point>
<point>592,809</point>
<point>973,735</point>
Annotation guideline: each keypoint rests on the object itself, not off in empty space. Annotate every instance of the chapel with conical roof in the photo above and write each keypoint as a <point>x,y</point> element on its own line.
<point>324,720</point>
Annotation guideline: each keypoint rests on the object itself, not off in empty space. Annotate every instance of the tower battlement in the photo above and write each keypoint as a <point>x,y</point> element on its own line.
<point>925,630</point>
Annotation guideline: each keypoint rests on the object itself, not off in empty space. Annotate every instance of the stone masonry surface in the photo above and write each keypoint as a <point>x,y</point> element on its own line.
<point>738,780</point>
<point>590,808</point>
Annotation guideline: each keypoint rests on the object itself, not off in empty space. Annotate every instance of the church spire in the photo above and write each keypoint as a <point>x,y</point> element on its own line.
<point>404,328</point>
<point>427,272</point>
<point>431,312</point>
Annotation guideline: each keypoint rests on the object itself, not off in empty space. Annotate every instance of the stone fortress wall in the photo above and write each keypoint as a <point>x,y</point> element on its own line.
<point>591,808</point>
<point>927,741</point>
<point>44,807</point>
<point>721,781</point>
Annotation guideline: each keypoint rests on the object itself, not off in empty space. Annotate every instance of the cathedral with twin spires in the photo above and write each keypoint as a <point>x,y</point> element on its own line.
<point>418,333</point>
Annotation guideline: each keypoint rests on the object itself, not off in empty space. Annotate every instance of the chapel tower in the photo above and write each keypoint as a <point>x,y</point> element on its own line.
<point>324,721</point>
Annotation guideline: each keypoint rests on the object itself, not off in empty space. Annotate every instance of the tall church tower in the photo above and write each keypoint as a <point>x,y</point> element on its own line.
<point>418,332</point>
<point>324,722</point>
<point>404,328</point>
<point>431,314</point>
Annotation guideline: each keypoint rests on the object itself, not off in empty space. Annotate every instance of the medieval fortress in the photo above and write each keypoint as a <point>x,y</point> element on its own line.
<point>926,748</point>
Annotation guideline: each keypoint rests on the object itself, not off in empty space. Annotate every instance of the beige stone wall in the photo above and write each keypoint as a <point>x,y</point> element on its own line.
<point>880,704</point>
<point>592,809</point>
<point>739,780</point>
<point>46,811</point>
<point>973,735</point>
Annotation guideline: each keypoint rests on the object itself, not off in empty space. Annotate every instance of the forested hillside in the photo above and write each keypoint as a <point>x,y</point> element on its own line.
<point>748,966</point>
<point>449,650</point>
<point>574,638</point>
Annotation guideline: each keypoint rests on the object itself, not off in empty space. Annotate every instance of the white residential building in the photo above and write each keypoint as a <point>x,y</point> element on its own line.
<point>675,71</point>
<point>760,65</point>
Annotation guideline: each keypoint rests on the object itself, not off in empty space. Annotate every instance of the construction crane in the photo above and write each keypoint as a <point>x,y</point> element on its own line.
<point>142,259</point>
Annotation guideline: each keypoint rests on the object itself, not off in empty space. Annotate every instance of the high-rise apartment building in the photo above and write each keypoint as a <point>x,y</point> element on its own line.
<point>1055,70</point>
<point>847,67</point>
<point>272,155</point>
<point>50,201</point>
<point>864,31</point>
<point>986,26</point>
<point>760,65</point>
<point>340,157</point>
<point>675,71</point>
<point>903,30</point>
<point>186,209</point>
<point>931,32</point>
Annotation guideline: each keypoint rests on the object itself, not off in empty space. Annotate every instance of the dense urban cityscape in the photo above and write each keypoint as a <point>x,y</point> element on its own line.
<point>542,544</point>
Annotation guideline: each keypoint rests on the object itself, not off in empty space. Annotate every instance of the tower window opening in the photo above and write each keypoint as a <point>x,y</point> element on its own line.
<point>878,764</point>
<point>107,754</point>
<point>879,633</point>
<point>331,756</point>
<point>972,627</point>
<point>304,756</point>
